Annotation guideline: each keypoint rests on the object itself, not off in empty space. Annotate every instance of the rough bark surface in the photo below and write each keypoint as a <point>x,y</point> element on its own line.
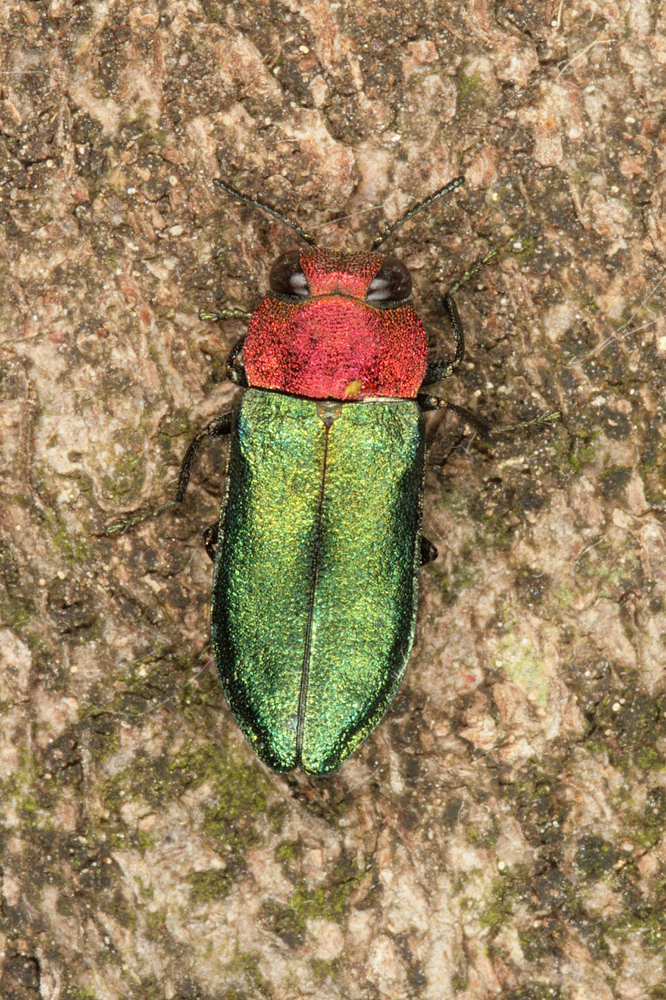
<point>501,835</point>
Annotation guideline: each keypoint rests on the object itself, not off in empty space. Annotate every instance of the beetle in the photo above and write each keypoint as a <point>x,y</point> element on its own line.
<point>318,545</point>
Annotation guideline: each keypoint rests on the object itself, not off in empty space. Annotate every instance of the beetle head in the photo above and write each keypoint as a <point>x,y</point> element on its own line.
<point>312,272</point>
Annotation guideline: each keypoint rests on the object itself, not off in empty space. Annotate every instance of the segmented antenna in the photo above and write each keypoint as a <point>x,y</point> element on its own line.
<point>447,189</point>
<point>308,237</point>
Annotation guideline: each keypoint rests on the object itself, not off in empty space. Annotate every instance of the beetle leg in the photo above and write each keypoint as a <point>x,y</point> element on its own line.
<point>218,427</point>
<point>224,314</point>
<point>543,418</point>
<point>440,369</point>
<point>428,551</point>
<point>211,537</point>
<point>236,369</point>
<point>485,430</point>
<point>428,403</point>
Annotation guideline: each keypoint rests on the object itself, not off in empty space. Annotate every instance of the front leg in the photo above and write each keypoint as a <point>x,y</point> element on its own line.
<point>236,369</point>
<point>440,369</point>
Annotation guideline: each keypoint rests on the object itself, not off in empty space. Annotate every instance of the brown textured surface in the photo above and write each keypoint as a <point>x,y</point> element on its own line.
<point>502,833</point>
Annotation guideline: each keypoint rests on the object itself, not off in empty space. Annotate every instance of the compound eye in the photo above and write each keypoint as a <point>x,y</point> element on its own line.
<point>287,278</point>
<point>392,283</point>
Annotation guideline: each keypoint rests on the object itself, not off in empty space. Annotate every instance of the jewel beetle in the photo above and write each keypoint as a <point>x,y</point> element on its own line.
<point>318,545</point>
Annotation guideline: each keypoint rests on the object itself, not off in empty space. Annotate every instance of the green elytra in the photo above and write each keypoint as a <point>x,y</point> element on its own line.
<point>317,552</point>
<point>314,607</point>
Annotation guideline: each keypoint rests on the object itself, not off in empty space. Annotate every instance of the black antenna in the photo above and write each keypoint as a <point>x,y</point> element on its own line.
<point>266,208</point>
<point>447,189</point>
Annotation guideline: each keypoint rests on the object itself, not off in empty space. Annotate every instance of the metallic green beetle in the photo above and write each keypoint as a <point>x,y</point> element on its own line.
<point>318,545</point>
